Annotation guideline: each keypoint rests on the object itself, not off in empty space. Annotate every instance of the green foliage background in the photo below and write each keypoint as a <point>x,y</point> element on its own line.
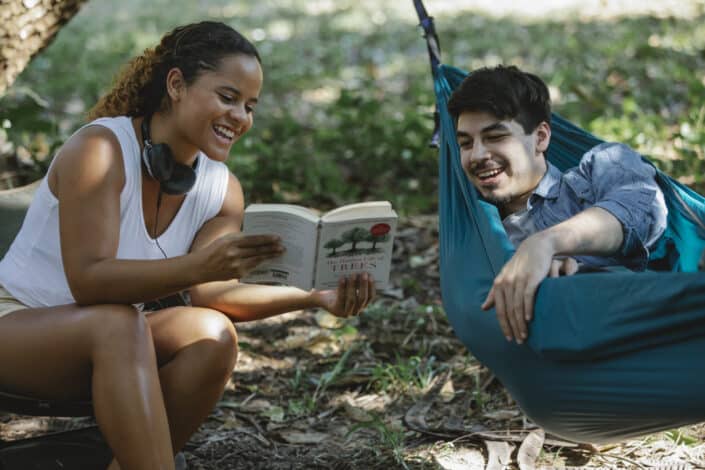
<point>346,112</point>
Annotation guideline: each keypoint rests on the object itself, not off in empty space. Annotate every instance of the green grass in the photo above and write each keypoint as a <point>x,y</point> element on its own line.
<point>406,374</point>
<point>391,439</point>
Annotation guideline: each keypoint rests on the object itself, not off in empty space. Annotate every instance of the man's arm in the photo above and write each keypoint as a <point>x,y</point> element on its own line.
<point>615,178</point>
<point>592,232</point>
<point>626,215</point>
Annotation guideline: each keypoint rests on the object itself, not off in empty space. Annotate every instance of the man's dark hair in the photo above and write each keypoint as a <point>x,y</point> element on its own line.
<point>505,92</point>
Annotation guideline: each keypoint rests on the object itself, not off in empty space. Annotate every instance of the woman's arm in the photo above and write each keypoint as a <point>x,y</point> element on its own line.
<point>244,302</point>
<point>88,178</point>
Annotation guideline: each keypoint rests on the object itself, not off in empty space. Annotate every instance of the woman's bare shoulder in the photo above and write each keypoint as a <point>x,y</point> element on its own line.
<point>91,154</point>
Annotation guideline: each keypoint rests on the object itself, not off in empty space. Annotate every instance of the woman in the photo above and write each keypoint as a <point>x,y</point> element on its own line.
<point>113,225</point>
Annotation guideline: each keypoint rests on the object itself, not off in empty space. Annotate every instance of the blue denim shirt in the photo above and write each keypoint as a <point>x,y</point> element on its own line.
<point>610,176</point>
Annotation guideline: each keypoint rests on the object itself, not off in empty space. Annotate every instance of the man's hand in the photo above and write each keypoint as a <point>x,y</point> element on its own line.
<point>594,231</point>
<point>351,297</point>
<point>563,266</point>
<point>513,291</point>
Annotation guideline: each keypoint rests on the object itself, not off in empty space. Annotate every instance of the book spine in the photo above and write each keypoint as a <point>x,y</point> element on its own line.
<point>315,258</point>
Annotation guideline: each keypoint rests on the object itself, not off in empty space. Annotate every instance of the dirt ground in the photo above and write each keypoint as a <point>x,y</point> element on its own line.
<point>392,388</point>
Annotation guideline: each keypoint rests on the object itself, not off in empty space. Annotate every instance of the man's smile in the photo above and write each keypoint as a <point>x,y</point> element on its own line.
<point>488,176</point>
<point>485,174</point>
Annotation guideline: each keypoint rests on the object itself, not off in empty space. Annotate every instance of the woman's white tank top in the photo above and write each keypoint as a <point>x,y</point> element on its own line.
<point>32,269</point>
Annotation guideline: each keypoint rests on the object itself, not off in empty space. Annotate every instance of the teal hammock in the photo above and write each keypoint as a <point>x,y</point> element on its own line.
<point>609,355</point>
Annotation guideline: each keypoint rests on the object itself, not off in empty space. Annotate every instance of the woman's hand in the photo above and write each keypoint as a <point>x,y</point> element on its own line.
<point>354,293</point>
<point>234,255</point>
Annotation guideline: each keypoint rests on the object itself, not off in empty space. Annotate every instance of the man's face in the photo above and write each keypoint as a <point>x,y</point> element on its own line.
<point>502,162</point>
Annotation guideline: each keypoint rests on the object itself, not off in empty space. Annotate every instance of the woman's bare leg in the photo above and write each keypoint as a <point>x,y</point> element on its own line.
<point>197,350</point>
<point>106,352</point>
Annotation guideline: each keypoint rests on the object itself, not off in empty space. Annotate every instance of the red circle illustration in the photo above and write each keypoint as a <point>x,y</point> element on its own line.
<point>380,229</point>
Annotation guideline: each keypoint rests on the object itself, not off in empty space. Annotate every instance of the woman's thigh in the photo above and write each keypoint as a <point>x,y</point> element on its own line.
<point>47,352</point>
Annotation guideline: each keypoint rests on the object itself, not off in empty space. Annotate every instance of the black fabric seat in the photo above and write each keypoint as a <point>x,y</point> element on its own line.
<point>77,449</point>
<point>22,405</point>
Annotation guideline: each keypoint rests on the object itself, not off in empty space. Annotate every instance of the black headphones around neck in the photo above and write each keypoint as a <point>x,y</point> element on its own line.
<point>174,178</point>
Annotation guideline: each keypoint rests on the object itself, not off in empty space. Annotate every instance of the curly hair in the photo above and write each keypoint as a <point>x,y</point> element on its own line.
<point>505,92</point>
<point>140,87</point>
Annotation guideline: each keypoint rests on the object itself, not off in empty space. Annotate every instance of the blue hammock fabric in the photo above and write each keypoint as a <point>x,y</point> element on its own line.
<point>610,355</point>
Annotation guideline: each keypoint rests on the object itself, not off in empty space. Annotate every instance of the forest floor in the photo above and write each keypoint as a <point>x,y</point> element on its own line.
<point>392,388</point>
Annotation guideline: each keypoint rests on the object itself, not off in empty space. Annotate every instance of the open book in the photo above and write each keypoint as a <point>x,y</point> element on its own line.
<point>322,249</point>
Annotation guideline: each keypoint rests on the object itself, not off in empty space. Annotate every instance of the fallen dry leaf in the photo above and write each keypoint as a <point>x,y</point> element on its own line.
<point>447,392</point>
<point>298,437</point>
<point>255,406</point>
<point>231,423</point>
<point>499,455</point>
<point>501,414</point>
<point>530,449</point>
<point>275,413</point>
<point>461,459</point>
<point>328,320</point>
<point>356,413</point>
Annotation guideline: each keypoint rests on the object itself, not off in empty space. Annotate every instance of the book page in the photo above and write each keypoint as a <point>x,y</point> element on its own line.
<point>298,233</point>
<point>303,212</point>
<point>359,245</point>
<point>360,210</point>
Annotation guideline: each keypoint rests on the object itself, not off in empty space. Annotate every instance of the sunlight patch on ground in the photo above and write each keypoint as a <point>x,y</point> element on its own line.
<point>542,9</point>
<point>553,9</point>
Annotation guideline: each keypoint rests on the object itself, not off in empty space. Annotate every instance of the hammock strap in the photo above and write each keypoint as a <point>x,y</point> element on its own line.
<point>426,23</point>
<point>434,54</point>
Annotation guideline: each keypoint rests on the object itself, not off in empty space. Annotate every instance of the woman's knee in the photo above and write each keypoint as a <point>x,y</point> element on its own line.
<point>218,341</point>
<point>117,327</point>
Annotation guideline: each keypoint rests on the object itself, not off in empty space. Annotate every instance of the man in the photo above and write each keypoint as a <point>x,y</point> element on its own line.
<point>607,211</point>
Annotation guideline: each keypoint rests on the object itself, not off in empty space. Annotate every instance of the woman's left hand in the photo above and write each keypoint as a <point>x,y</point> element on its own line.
<point>352,296</point>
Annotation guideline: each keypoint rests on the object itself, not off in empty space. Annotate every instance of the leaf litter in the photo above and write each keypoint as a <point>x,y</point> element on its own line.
<point>392,388</point>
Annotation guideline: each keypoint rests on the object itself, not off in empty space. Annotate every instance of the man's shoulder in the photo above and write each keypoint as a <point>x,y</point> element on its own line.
<point>611,161</point>
<point>612,153</point>
<point>609,166</point>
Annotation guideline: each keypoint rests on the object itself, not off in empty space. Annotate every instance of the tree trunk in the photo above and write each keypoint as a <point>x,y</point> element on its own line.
<point>27,27</point>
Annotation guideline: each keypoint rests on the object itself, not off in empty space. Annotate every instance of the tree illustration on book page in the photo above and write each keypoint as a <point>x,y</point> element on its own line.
<point>333,244</point>
<point>354,236</point>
